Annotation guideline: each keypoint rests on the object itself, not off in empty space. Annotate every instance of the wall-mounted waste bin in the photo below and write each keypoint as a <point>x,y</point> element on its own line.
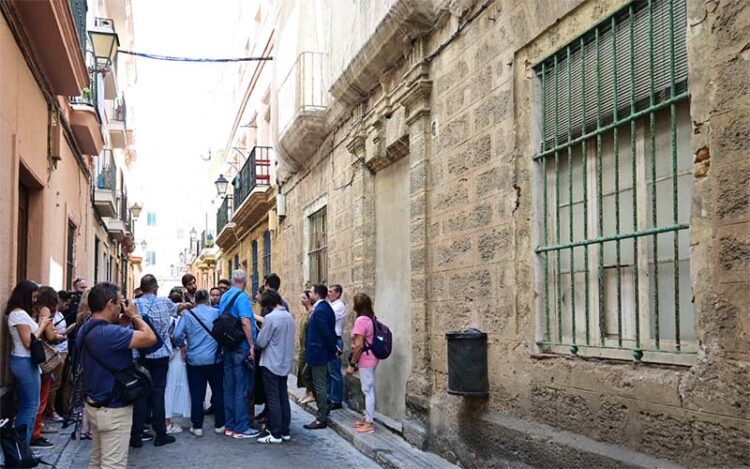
<point>467,363</point>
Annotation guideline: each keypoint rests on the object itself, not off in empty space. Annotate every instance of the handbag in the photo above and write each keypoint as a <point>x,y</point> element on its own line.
<point>15,449</point>
<point>131,384</point>
<point>227,329</point>
<point>52,359</point>
<point>37,351</point>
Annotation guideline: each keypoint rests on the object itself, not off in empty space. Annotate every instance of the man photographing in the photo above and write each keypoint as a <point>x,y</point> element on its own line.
<point>109,418</point>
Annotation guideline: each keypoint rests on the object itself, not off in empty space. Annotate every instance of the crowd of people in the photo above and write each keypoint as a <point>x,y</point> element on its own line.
<point>97,342</point>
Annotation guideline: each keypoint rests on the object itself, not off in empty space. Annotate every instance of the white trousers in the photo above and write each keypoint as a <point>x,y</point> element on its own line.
<point>367,382</point>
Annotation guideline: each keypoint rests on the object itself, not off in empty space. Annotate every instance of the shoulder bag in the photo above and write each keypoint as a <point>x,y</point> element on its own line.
<point>131,384</point>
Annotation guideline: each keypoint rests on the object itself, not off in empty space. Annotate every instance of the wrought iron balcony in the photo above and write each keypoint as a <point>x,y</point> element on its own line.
<point>222,215</point>
<point>105,185</point>
<point>254,173</point>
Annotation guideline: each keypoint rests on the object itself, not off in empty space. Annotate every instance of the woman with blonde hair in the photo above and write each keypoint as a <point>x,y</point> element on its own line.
<point>363,359</point>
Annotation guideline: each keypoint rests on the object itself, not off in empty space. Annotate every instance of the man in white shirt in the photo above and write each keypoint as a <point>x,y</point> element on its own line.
<point>335,378</point>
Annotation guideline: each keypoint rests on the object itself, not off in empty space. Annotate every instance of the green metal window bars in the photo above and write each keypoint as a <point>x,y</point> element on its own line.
<point>615,119</point>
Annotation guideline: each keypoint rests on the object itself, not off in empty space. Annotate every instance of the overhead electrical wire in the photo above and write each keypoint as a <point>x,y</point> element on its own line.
<point>172,58</point>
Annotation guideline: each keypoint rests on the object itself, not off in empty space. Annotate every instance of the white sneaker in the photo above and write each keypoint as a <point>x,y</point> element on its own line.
<point>251,433</point>
<point>220,430</point>
<point>197,431</point>
<point>269,439</point>
<point>286,437</point>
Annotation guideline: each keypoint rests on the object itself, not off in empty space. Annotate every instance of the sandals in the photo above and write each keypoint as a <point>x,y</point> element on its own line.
<point>366,428</point>
<point>85,436</point>
<point>359,423</point>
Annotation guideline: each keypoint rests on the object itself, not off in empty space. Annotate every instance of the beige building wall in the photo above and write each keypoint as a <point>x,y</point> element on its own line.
<point>458,107</point>
<point>59,192</point>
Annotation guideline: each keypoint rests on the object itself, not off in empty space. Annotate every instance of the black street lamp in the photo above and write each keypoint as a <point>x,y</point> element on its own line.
<point>136,210</point>
<point>221,185</point>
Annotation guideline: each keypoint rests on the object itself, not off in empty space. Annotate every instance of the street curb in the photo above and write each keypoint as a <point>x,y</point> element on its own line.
<point>384,447</point>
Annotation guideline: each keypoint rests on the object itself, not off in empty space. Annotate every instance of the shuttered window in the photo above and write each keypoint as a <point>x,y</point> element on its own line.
<point>626,39</point>
<point>318,248</point>
<point>615,167</point>
<point>255,267</point>
<point>267,253</point>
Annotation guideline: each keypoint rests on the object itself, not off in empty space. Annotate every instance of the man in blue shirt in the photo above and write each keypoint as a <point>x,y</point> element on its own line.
<point>160,312</point>
<point>239,364</point>
<point>111,345</point>
<point>203,361</point>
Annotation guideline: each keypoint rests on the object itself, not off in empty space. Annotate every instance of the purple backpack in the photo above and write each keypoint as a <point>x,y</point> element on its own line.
<point>382,342</point>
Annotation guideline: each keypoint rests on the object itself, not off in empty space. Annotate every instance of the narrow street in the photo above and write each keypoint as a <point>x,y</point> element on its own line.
<point>320,449</point>
<point>467,233</point>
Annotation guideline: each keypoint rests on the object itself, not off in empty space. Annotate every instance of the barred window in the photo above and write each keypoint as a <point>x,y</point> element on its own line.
<point>317,252</point>
<point>615,165</point>
<point>267,253</point>
<point>255,267</point>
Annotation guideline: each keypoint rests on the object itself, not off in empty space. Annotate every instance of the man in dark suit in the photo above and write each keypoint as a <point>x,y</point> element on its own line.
<point>320,348</point>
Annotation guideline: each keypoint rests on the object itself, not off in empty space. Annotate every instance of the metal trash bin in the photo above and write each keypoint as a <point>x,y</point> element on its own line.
<point>467,363</point>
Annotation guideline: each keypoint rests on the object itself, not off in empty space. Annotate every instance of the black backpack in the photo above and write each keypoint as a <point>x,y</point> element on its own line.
<point>15,449</point>
<point>131,384</point>
<point>227,330</point>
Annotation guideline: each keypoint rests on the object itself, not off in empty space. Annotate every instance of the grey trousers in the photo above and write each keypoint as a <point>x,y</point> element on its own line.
<point>320,389</point>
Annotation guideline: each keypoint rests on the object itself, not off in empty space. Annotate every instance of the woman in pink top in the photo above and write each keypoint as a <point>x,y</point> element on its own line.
<point>363,334</point>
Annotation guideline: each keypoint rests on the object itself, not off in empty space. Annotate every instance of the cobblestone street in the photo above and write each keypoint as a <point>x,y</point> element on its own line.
<point>320,448</point>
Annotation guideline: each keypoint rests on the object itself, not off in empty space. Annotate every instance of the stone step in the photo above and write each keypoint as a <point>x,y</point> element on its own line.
<point>384,447</point>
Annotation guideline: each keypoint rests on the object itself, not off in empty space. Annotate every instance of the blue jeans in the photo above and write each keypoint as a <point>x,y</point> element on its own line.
<point>29,385</point>
<point>335,379</point>
<point>238,384</point>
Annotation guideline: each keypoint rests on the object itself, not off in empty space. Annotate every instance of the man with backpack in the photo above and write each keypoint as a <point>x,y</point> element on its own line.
<point>105,349</point>
<point>320,349</point>
<point>239,355</point>
<point>203,361</point>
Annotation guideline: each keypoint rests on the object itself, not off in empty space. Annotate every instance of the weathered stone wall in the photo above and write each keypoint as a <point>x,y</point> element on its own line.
<point>472,250</point>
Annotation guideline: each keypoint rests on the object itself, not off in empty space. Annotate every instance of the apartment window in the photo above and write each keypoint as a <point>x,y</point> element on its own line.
<point>317,252</point>
<point>151,257</point>
<point>151,219</point>
<point>97,250</point>
<point>267,253</point>
<point>69,258</point>
<point>615,171</point>
<point>237,262</point>
<point>255,267</point>
<point>229,266</point>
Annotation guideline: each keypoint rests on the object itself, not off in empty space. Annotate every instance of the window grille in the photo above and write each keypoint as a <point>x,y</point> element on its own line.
<point>267,253</point>
<point>317,252</point>
<point>615,163</point>
<point>255,267</point>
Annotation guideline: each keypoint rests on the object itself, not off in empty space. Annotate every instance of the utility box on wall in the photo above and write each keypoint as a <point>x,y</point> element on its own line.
<point>467,363</point>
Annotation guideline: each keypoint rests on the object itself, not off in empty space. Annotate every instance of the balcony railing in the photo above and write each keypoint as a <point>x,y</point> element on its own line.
<point>106,172</point>
<point>91,96</point>
<point>124,211</point>
<point>255,172</point>
<point>303,89</point>
<point>222,216</point>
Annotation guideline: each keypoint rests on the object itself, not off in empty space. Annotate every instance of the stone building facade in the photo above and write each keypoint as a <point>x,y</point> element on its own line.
<point>424,156</point>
